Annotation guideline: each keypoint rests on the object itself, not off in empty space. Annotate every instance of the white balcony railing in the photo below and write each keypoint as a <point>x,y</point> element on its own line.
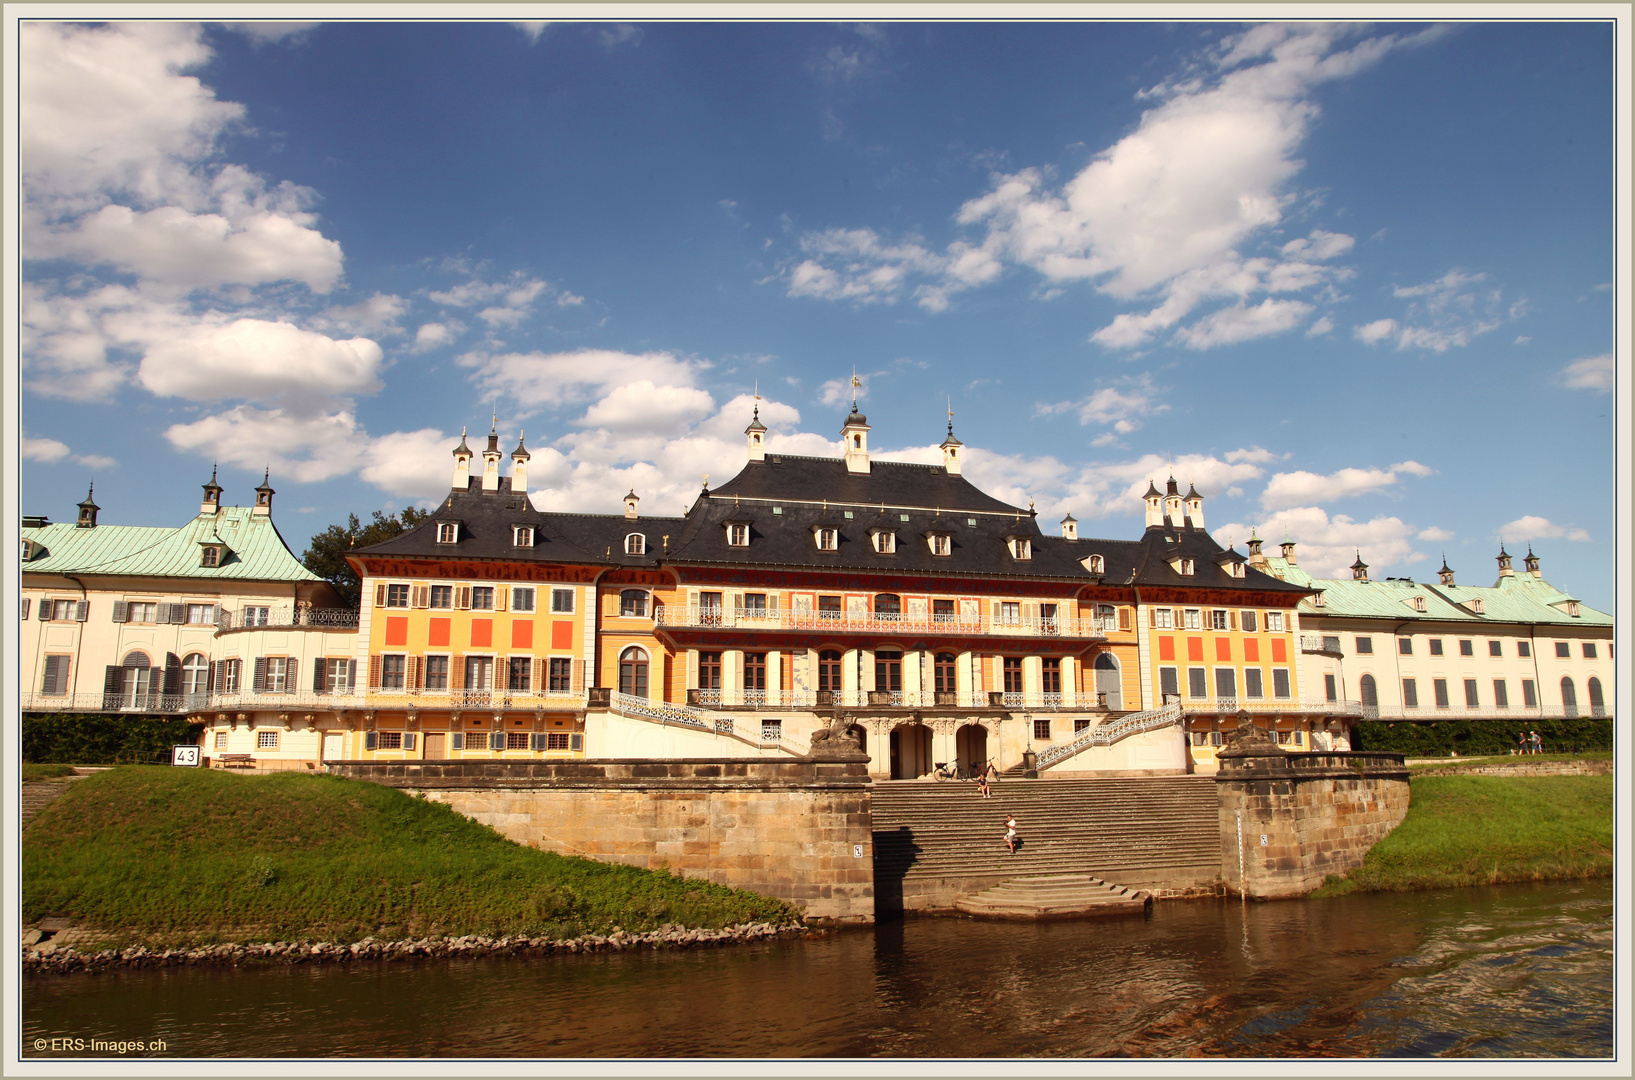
<point>1270,705</point>
<point>287,618</point>
<point>1112,731</point>
<point>1428,712</point>
<point>694,616</point>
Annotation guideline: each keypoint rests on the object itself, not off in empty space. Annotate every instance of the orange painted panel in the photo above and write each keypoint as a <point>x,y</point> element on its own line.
<point>1223,648</point>
<point>437,632</point>
<point>522,634</point>
<point>1251,649</point>
<point>561,634</point>
<point>397,630</point>
<point>1166,648</point>
<point>1278,653</point>
<point>482,632</point>
<point>1195,648</point>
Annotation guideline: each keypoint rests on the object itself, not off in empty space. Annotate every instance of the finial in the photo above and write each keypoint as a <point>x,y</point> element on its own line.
<point>856,382</point>
<point>950,414</point>
<point>266,474</point>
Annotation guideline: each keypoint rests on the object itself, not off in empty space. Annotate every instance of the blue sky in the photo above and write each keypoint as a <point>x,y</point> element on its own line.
<point>1355,282</point>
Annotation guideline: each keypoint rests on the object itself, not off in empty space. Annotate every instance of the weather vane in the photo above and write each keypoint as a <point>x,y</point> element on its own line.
<point>856,382</point>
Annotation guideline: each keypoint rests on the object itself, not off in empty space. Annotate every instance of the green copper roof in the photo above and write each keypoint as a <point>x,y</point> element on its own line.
<point>255,551</point>
<point>1520,598</point>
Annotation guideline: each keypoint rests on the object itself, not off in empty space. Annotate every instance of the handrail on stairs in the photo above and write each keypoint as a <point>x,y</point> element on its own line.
<point>1112,731</point>
<point>690,716</point>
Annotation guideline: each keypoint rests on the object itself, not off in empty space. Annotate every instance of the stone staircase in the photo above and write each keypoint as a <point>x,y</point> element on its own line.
<point>933,842</point>
<point>1054,896</point>
<point>37,793</point>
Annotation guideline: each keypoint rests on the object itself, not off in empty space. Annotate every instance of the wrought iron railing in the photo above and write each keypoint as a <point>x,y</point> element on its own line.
<point>692,615</point>
<point>1273,705</point>
<point>286,618</point>
<point>1112,731</point>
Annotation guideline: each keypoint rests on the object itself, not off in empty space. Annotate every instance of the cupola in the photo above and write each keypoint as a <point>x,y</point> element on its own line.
<point>855,434</point>
<point>519,468</point>
<point>1531,562</point>
<point>1174,514</point>
<point>1195,507</point>
<point>1504,563</point>
<point>1257,558</point>
<point>263,495</point>
<point>1445,575</point>
<point>756,435</point>
<point>212,495</point>
<point>1070,528</point>
<point>1287,547</point>
<point>951,447</point>
<point>491,459</point>
<point>88,510</point>
<point>1155,504</point>
<point>630,501</point>
<point>1359,569</point>
<point>462,464</point>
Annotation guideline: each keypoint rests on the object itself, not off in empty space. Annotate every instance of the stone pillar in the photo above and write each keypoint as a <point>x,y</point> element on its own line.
<point>911,677</point>
<point>962,678</point>
<point>1070,681</point>
<point>848,677</point>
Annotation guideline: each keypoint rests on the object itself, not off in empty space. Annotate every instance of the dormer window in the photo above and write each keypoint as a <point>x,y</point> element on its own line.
<point>1234,569</point>
<point>1477,606</point>
<point>1316,601</point>
<point>1182,566</point>
<point>941,544</point>
<point>28,550</point>
<point>1021,547</point>
<point>210,555</point>
<point>1096,564</point>
<point>738,534</point>
<point>828,539</point>
<point>1419,603</point>
<point>636,544</point>
<point>1572,608</point>
<point>522,536</point>
<point>885,541</point>
<point>448,532</point>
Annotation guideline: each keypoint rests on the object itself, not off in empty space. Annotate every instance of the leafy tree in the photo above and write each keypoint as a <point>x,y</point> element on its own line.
<point>326,555</point>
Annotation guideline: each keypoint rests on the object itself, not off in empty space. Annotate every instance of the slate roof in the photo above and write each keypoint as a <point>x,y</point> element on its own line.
<point>1520,598</point>
<point>256,550</point>
<point>790,477</point>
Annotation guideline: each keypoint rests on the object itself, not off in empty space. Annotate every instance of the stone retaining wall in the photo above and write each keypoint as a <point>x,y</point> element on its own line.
<point>799,829</point>
<point>1593,767</point>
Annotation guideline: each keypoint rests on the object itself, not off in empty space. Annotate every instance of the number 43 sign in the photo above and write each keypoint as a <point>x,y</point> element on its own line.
<point>184,755</point>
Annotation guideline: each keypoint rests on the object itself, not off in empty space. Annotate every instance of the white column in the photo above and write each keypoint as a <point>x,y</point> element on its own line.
<point>911,676</point>
<point>1070,680</point>
<point>848,676</point>
<point>962,677</point>
<point>732,676</point>
<point>774,673</point>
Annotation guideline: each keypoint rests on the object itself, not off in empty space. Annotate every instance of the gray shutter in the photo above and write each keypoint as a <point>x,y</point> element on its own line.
<point>48,679</point>
<point>161,614</point>
<point>369,740</point>
<point>258,681</point>
<point>318,674</point>
<point>45,609</point>
<point>81,610</point>
<point>292,674</point>
<point>173,674</point>
<point>576,741</point>
<point>408,740</point>
<point>112,677</point>
<point>536,741</point>
<point>496,740</point>
<point>352,674</point>
<point>26,602</point>
<point>218,676</point>
<point>457,740</point>
<point>178,613</point>
<point>121,608</point>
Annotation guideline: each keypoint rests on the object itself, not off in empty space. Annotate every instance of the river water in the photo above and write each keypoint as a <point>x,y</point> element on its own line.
<point>1507,971</point>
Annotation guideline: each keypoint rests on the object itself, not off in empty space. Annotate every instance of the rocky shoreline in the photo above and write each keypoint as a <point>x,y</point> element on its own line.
<point>66,959</point>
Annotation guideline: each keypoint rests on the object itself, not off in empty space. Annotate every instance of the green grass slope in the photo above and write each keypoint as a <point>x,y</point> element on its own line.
<point>162,855</point>
<point>1480,830</point>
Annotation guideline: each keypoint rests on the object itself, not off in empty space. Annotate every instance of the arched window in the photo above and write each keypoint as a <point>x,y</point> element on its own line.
<point>888,604</point>
<point>633,672</point>
<point>635,544</point>
<point>633,603</point>
<point>829,670</point>
<point>1370,696</point>
<point>1598,705</point>
<point>138,675</point>
<point>1098,565</point>
<point>195,674</point>
<point>1569,698</point>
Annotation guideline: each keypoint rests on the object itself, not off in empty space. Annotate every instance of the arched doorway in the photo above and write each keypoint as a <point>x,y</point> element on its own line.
<point>971,748</point>
<point>1108,680</point>
<point>910,751</point>
<point>1370,697</point>
<point>633,672</point>
<point>1569,698</point>
<point>1598,705</point>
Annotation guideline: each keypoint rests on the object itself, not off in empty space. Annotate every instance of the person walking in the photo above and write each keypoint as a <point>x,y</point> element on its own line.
<point>1010,833</point>
<point>1538,743</point>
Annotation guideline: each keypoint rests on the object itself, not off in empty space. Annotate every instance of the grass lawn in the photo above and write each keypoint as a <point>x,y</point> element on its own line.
<point>45,772</point>
<point>172,856</point>
<point>1480,830</point>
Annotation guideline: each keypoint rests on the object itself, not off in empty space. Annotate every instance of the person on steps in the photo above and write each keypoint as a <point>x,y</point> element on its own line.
<point>1010,834</point>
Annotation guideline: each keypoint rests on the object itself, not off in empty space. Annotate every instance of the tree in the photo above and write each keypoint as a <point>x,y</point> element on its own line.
<point>326,555</point>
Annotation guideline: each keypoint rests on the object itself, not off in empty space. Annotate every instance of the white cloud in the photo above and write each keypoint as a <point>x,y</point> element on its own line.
<point>42,449</point>
<point>1321,326</point>
<point>432,335</point>
<point>1294,488</point>
<point>1256,455</point>
<point>533,380</point>
<point>1111,405</point>
<point>836,393</point>
<point>1374,332</point>
<point>377,315</point>
<point>412,463</point>
<point>1444,314</point>
<point>1326,547</point>
<point>1533,527</point>
<point>252,359</point>
<point>1231,325</point>
<point>96,461</point>
<point>268,31</point>
<point>1319,245</point>
<point>304,448</point>
<point>508,301</point>
<point>641,407</point>
<point>531,28</point>
<point>619,34</point>
<point>1590,373</point>
<point>1434,533</point>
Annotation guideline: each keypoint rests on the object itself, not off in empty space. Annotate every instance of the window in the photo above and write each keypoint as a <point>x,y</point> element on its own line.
<point>885,541</point>
<point>1169,684</point>
<point>1419,603</point>
<point>1098,565</point>
<point>556,740</point>
<point>1529,696</point>
<point>516,740</point>
<point>522,536</point>
<point>635,544</point>
<point>753,604</point>
<point>479,674</point>
<point>1217,619</point>
<point>633,603</point>
<point>1439,687</point>
<point>255,616</point>
<point>266,740</point>
<point>1192,619</point>
<point>738,535</point>
<point>827,539</point>
<point>1467,647</point>
<point>54,681</point>
<point>1047,619</point>
<point>1598,704</point>
<point>1331,643</point>
<point>1280,682</point>
<point>447,532</point>
<point>227,676</point>
<point>1010,613</point>
<point>1163,618</point>
<point>69,610</point>
<point>436,673</point>
<point>1274,622</point>
<point>889,605</point>
<point>201,614</point>
<point>755,671</point>
<point>442,596</point>
<point>1405,646</point>
<point>1589,650</point>
<point>943,672</point>
<point>388,740</point>
<point>1563,649</point>
<point>522,599</point>
<point>828,607</point>
<point>1021,548</point>
<point>221,740</point>
<point>1050,675</point>
<point>392,670</point>
<point>1252,683</point>
<point>1501,694</point>
<point>1365,646</point>
<point>1572,608</point>
<point>1495,648</point>
<point>482,598</point>
<point>397,596</point>
<point>1197,683</point>
<point>1246,619</point>
<point>1226,684</point>
<point>1436,646</point>
<point>1012,669</point>
<point>942,611</point>
<point>337,675</point>
<point>709,671</point>
<point>1041,728</point>
<point>1569,698</point>
<point>888,672</point>
<point>633,672</point>
<point>561,601</point>
<point>1524,649</point>
<point>210,555</point>
<point>1410,694</point>
<point>1331,690</point>
<point>941,544</point>
<point>195,674</point>
<point>518,673</point>
<point>1471,700</point>
<point>278,675</point>
<point>560,675</point>
<point>828,670</point>
<point>134,612</point>
<point>1186,567</point>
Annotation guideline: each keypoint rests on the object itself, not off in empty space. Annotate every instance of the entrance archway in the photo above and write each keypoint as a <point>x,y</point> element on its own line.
<point>910,751</point>
<point>1108,680</point>
<point>971,748</point>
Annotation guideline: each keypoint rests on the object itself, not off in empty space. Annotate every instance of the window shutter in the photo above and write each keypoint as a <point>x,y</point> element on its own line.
<point>772,602</point>
<point>462,597</point>
<point>112,678</point>
<point>370,739</point>
<point>178,613</point>
<point>45,610</point>
<point>536,741</point>
<point>374,673</point>
<point>408,740</point>
<point>292,672</point>
<point>500,593</point>
<point>351,674</point>
<point>412,676</point>
<point>218,676</point>
<point>173,674</point>
<point>258,679</point>
<point>1232,619</point>
<point>318,675</point>
<point>419,596</point>
<point>48,679</point>
<point>380,595</point>
<point>456,672</point>
<point>996,611</point>
<point>81,610</point>
<point>456,740</point>
<point>576,741</point>
<point>539,684</point>
<point>496,740</point>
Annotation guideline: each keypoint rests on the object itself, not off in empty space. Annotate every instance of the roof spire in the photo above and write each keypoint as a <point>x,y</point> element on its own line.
<point>950,414</point>
<point>856,382</point>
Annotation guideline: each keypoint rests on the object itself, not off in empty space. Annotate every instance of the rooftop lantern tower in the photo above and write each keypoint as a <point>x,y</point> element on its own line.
<point>212,495</point>
<point>1195,506</point>
<point>1359,569</point>
<point>1504,563</point>
<point>519,468</point>
<point>1531,562</point>
<point>756,432</point>
<point>263,495</point>
<point>1445,575</point>
<point>951,446</point>
<point>855,434</point>
<point>491,458</point>
<point>462,464</point>
<point>88,510</point>
<point>1155,504</point>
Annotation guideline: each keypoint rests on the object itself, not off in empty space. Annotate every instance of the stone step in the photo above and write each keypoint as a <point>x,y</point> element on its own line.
<point>1058,896</point>
<point>36,794</point>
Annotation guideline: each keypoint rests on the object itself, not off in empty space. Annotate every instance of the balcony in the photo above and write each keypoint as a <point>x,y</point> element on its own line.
<point>287,618</point>
<point>1519,715</point>
<point>1327,644</point>
<point>683,616</point>
<point>306,700</point>
<point>1262,706</point>
<point>889,699</point>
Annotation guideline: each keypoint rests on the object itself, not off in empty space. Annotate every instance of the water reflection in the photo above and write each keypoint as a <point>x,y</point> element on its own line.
<point>1511,971</point>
